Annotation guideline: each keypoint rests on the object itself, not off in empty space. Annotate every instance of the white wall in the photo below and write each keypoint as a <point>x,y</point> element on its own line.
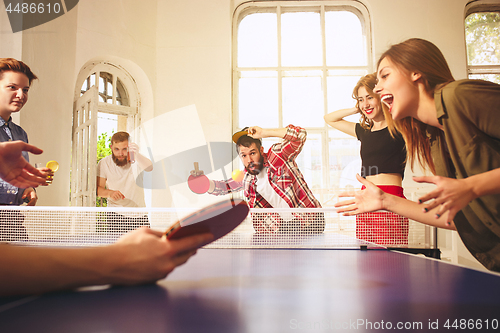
<point>10,45</point>
<point>194,67</point>
<point>119,28</point>
<point>441,22</point>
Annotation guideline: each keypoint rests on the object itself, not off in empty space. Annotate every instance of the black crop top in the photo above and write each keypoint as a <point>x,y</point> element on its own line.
<point>380,152</point>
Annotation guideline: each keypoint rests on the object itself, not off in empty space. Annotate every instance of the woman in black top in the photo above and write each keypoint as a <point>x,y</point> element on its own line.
<point>383,156</point>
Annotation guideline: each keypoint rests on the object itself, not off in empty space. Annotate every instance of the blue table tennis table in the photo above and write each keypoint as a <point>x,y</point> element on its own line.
<point>277,290</point>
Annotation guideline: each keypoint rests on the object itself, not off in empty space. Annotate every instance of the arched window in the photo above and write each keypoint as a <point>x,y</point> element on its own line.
<point>106,101</point>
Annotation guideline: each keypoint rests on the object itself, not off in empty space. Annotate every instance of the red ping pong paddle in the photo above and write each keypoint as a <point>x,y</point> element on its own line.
<point>198,183</point>
<point>218,219</point>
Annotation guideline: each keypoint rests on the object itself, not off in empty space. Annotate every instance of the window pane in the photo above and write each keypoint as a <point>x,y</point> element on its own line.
<point>121,93</point>
<point>268,142</point>
<point>106,123</point>
<point>340,92</point>
<point>488,77</point>
<point>301,39</point>
<point>258,102</point>
<point>85,85</point>
<point>482,36</point>
<point>102,86</point>
<point>303,101</point>
<point>345,43</point>
<point>258,41</point>
<point>310,163</point>
<point>109,92</point>
<point>344,160</point>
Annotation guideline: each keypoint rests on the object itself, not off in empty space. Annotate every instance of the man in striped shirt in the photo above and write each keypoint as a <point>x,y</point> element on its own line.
<point>15,81</point>
<point>273,180</point>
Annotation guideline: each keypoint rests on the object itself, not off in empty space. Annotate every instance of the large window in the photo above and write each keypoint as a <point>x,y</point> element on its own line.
<point>482,32</point>
<point>293,63</point>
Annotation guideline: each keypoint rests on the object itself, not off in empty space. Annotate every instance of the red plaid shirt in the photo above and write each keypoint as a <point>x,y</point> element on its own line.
<point>284,176</point>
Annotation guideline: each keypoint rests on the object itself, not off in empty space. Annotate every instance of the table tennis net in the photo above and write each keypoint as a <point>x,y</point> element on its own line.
<point>263,228</point>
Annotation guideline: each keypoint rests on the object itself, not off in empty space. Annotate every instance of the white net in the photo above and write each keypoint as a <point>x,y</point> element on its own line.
<point>263,228</point>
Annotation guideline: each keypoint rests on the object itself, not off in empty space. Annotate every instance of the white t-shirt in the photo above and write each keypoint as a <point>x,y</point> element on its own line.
<point>266,190</point>
<point>122,179</point>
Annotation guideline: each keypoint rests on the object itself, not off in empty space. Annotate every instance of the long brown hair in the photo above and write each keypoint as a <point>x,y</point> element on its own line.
<point>369,82</point>
<point>419,56</point>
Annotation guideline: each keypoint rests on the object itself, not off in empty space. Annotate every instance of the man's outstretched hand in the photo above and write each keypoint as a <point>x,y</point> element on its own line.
<point>14,168</point>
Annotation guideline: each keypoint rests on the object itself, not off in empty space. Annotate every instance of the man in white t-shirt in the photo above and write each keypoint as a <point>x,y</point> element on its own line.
<point>117,176</point>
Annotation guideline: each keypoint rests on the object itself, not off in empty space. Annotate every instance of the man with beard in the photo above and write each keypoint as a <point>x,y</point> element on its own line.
<point>273,180</point>
<point>116,180</point>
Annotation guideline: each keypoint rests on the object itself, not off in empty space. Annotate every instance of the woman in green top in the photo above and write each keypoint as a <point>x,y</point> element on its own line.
<point>452,128</point>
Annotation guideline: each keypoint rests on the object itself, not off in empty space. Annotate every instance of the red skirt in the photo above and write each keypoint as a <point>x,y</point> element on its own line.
<point>383,228</point>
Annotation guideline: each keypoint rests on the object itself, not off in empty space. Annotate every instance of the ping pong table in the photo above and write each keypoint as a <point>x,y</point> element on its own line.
<point>277,290</point>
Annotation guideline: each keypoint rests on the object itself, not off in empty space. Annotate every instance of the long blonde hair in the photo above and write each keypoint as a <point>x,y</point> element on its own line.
<point>420,56</point>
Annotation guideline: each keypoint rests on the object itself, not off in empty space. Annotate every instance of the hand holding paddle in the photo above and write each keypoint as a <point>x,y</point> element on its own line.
<point>197,181</point>
<point>217,219</point>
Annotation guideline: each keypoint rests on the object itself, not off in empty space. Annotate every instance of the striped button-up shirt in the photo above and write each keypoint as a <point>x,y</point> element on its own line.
<point>9,194</point>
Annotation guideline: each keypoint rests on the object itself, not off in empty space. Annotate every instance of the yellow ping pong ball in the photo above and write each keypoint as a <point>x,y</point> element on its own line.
<point>237,175</point>
<point>52,165</point>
